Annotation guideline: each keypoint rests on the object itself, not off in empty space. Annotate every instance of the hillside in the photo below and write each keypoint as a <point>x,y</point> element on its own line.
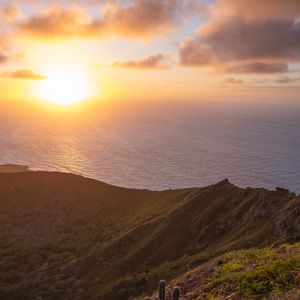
<point>266,273</point>
<point>68,237</point>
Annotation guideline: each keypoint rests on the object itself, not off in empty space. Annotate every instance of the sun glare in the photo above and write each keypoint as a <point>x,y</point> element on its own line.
<point>64,86</point>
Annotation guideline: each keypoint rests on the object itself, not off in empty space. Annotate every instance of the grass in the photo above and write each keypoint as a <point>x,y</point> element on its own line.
<point>257,273</point>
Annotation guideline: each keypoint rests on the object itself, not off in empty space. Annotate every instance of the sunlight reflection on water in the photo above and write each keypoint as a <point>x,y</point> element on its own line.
<point>160,148</point>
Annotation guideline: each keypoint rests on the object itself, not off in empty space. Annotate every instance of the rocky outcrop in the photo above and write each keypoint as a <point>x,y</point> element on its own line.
<point>287,224</point>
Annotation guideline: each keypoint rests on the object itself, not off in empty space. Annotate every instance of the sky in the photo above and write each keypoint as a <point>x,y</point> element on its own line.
<point>149,50</point>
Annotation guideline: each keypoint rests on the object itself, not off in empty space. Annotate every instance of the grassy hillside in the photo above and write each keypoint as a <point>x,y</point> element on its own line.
<point>68,237</point>
<point>267,273</point>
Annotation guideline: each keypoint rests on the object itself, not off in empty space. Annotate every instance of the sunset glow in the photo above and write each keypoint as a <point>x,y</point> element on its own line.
<point>142,140</point>
<point>64,87</point>
<point>192,51</point>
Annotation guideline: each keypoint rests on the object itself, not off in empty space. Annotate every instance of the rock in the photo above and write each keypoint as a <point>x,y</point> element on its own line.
<point>288,222</point>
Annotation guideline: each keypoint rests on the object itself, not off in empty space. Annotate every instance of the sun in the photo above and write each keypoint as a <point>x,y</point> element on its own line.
<point>64,86</point>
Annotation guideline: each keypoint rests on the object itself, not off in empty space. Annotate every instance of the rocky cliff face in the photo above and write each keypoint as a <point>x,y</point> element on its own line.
<point>65,236</point>
<point>287,223</point>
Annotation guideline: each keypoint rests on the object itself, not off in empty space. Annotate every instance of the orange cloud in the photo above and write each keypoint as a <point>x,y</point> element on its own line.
<point>58,23</point>
<point>6,48</point>
<point>142,19</point>
<point>257,9</point>
<point>150,62</point>
<point>6,43</point>
<point>3,58</point>
<point>10,12</point>
<point>24,74</point>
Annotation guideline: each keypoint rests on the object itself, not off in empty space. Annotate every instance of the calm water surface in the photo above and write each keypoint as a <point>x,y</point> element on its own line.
<point>163,145</point>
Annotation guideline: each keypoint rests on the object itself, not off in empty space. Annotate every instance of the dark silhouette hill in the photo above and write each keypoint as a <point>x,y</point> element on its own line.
<point>68,237</point>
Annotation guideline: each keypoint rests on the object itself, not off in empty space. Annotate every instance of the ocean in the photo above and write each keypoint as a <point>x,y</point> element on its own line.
<point>162,145</point>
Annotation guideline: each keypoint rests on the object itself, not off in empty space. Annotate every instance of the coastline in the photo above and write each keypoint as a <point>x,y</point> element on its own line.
<point>13,168</point>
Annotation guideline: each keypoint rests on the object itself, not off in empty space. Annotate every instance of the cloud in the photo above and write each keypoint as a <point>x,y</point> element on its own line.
<point>58,23</point>
<point>144,18</point>
<point>10,12</point>
<point>150,62</point>
<point>284,79</point>
<point>256,67</point>
<point>24,74</point>
<point>259,10</point>
<point>240,39</point>
<point>5,41</point>
<point>8,49</point>
<point>194,53</point>
<point>235,40</point>
<point>280,80</point>
<point>141,19</point>
<point>232,81</point>
<point>3,58</point>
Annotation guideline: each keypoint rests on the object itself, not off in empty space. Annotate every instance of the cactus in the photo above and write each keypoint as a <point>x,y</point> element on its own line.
<point>175,293</point>
<point>162,290</point>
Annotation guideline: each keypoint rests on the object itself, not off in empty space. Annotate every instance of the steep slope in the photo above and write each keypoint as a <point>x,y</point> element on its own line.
<point>266,273</point>
<point>65,236</point>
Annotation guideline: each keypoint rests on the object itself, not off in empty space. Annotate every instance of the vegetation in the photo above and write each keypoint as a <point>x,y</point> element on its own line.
<point>267,273</point>
<point>257,273</point>
<point>67,237</point>
<point>175,293</point>
<point>162,292</point>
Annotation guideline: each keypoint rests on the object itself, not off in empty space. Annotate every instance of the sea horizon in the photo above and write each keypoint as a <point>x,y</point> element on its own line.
<point>157,147</point>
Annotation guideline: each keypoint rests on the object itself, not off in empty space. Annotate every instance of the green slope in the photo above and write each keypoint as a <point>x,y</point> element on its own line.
<point>68,237</point>
<point>266,273</point>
